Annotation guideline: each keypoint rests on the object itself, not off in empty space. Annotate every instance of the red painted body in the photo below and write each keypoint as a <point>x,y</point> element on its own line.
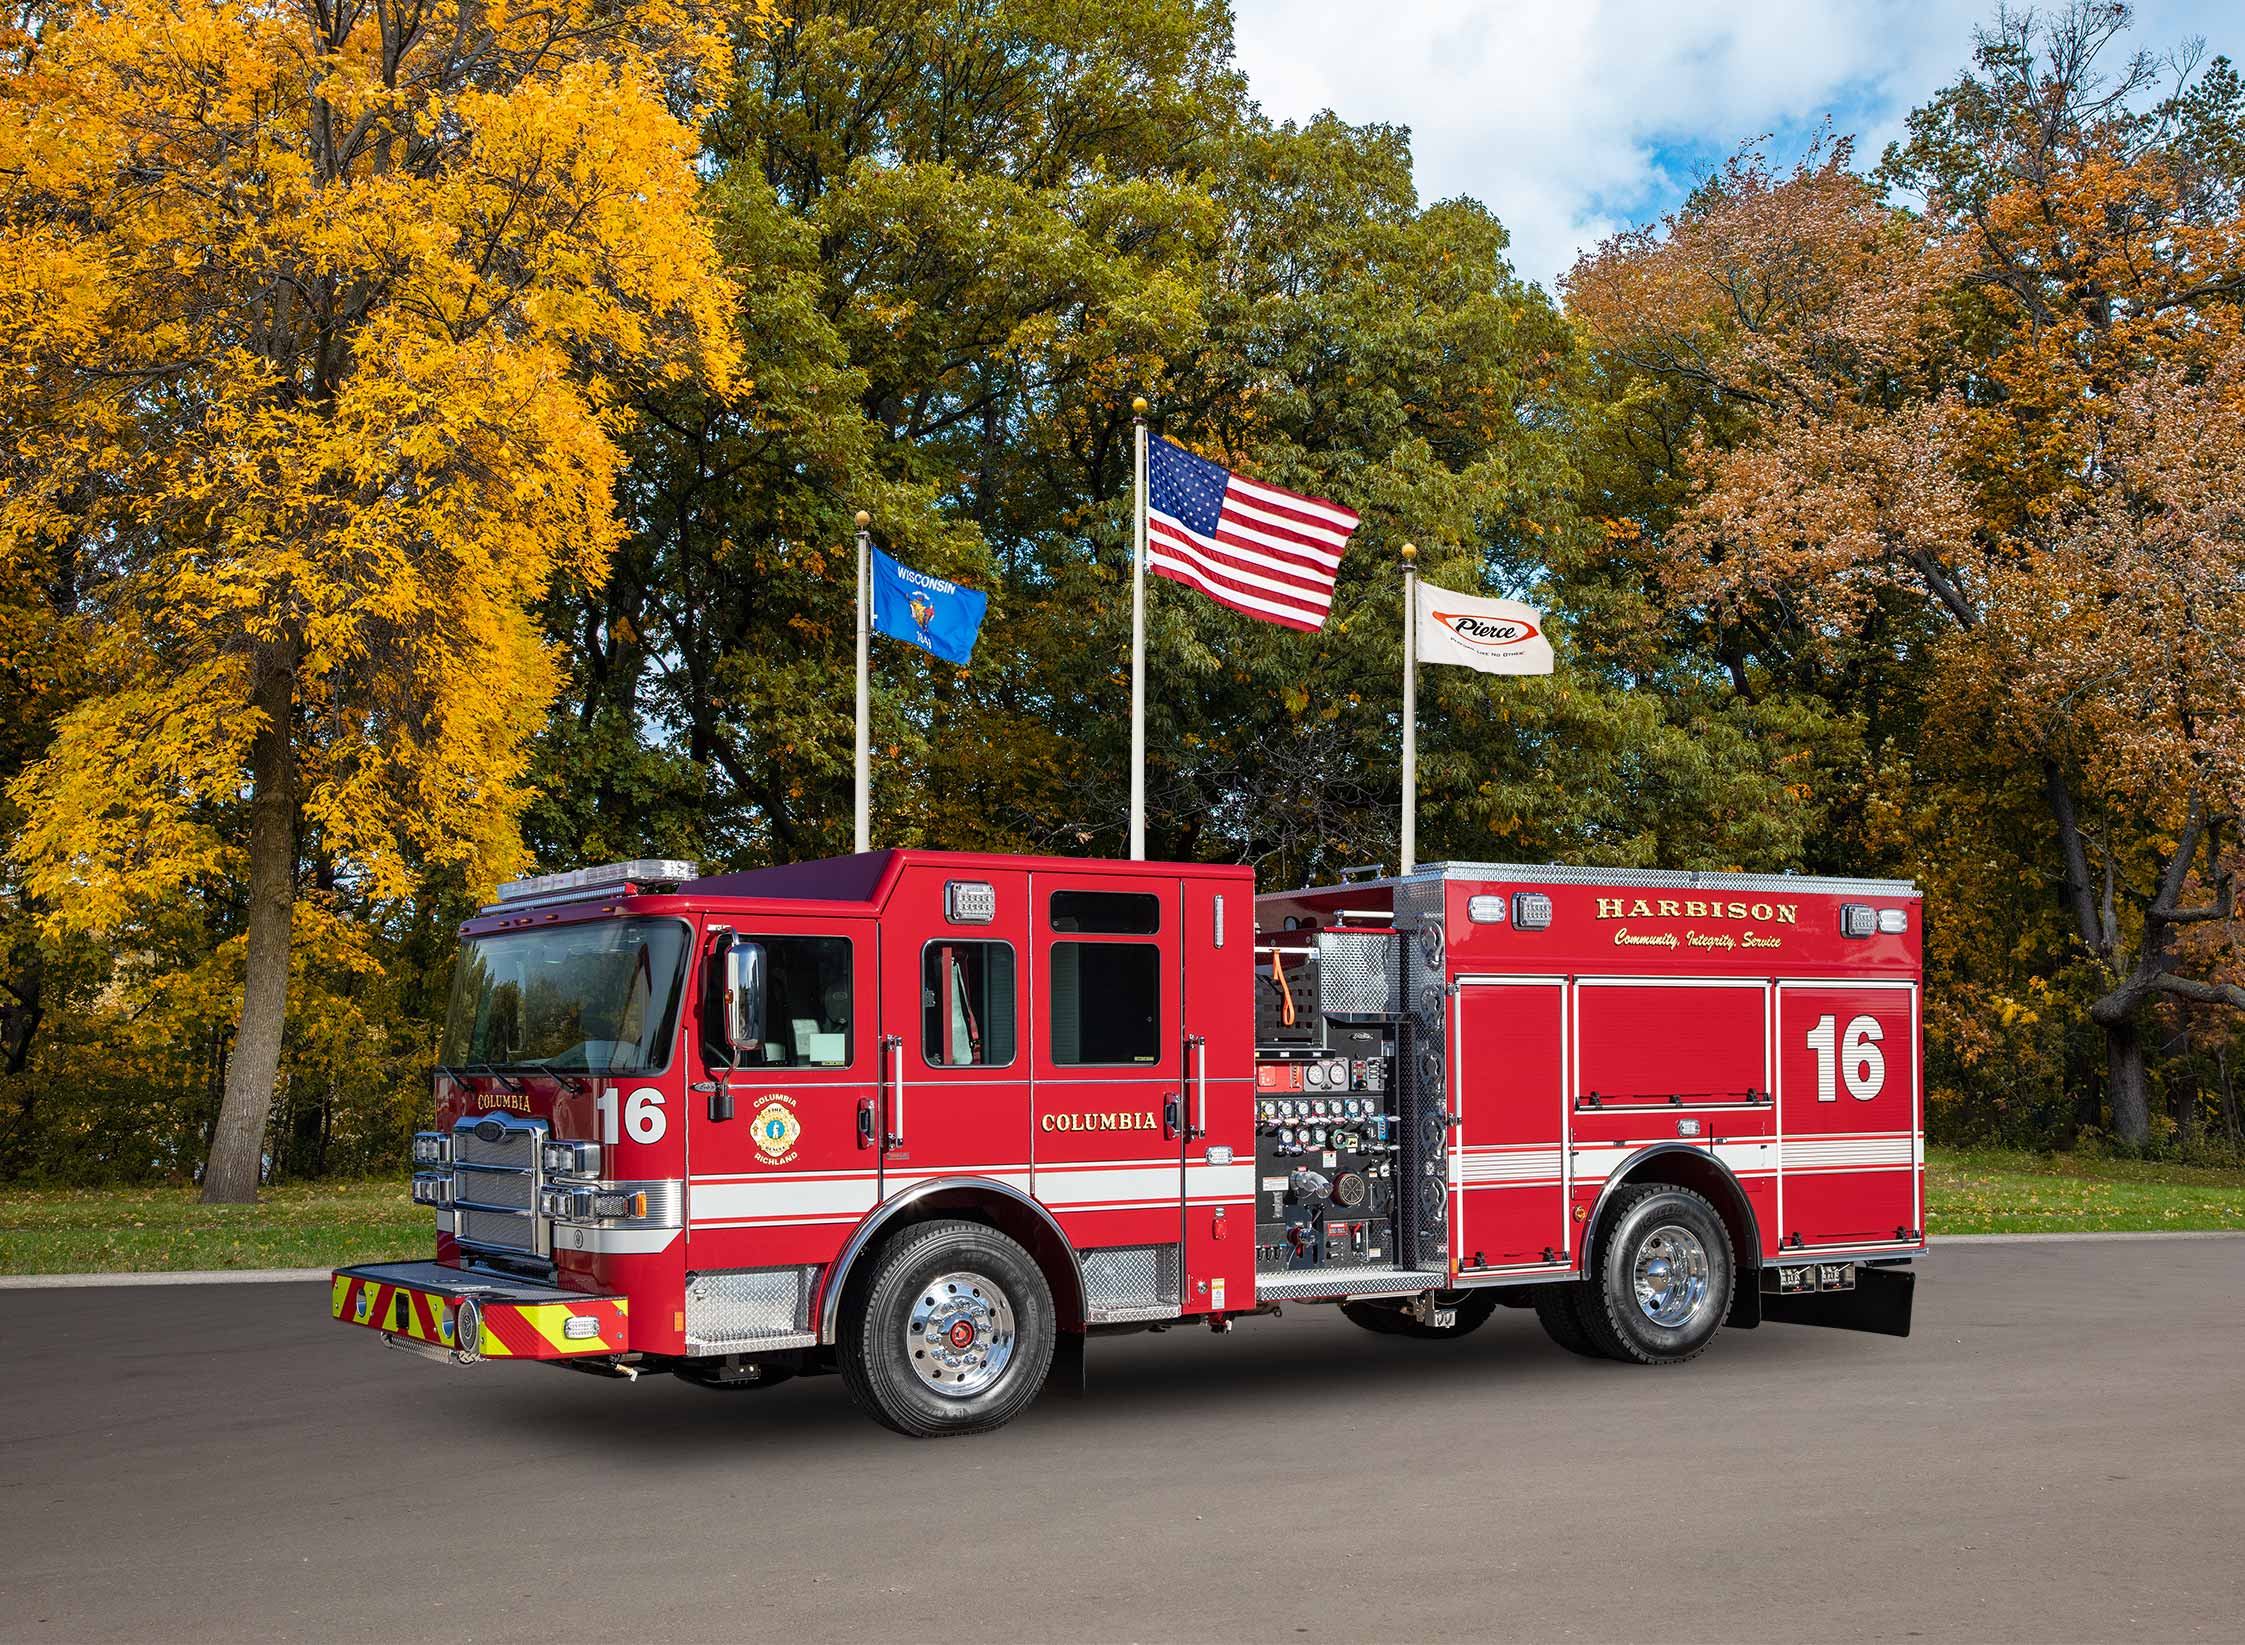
<point>1644,1017</point>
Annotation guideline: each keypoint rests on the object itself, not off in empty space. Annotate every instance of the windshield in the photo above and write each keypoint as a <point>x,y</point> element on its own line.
<point>596,998</point>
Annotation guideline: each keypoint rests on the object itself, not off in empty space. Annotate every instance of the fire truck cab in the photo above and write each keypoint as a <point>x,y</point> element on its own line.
<point>933,1120</point>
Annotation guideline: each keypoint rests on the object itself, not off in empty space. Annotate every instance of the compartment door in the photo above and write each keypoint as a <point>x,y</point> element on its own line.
<point>1850,1158</point>
<point>1508,1149</point>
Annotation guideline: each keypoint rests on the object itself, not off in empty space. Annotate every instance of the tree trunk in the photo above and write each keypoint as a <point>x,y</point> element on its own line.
<point>2229,1096</point>
<point>237,1145</point>
<point>2124,1082</point>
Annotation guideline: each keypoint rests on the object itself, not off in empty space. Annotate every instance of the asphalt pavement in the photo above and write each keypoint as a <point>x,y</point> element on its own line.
<point>2055,1455</point>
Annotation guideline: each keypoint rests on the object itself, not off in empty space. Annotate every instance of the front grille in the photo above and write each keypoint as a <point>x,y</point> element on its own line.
<point>503,1190</point>
<point>500,1230</point>
<point>516,1147</point>
<point>495,1182</point>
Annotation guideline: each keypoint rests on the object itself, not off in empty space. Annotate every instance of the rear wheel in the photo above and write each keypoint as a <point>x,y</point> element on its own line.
<point>1662,1279</point>
<point>953,1333</point>
<point>1559,1311</point>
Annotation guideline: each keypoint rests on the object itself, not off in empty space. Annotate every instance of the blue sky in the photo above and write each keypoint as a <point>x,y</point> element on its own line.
<point>1573,118</point>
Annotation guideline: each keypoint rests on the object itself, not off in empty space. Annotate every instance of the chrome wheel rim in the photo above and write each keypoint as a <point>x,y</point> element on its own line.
<point>960,1337</point>
<point>1671,1275</point>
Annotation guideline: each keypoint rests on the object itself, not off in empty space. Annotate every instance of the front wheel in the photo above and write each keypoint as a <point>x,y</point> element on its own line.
<point>1662,1279</point>
<point>954,1333</point>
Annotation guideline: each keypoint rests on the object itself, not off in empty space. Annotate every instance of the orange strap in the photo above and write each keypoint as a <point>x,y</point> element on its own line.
<point>1278,975</point>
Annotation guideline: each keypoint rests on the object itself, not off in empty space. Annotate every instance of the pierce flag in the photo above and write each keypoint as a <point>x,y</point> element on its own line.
<point>1494,636</point>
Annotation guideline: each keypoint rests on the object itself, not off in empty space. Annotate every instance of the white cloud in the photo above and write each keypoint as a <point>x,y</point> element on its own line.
<point>1569,120</point>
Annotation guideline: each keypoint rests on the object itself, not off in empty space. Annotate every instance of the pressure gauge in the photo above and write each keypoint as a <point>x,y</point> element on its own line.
<point>1286,1133</point>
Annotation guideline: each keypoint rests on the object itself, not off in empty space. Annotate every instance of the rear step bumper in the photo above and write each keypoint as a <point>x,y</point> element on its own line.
<point>470,1316</point>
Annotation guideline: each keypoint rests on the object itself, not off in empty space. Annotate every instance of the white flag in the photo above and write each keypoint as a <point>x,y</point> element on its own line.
<point>1495,636</point>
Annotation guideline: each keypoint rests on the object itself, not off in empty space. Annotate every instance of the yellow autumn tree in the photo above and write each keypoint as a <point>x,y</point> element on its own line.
<point>317,325</point>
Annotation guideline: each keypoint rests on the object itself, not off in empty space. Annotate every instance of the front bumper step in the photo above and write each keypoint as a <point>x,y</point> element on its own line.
<point>418,1305</point>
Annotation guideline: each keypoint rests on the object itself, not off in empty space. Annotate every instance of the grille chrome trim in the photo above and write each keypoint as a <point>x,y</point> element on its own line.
<point>495,1183</point>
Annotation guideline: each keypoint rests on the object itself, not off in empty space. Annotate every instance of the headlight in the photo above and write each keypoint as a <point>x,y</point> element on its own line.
<point>431,1148</point>
<point>589,1204</point>
<point>429,1188</point>
<point>570,1159</point>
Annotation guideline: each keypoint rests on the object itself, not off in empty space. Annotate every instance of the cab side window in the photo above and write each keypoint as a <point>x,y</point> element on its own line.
<point>967,1004</point>
<point>809,1001</point>
<point>1106,1004</point>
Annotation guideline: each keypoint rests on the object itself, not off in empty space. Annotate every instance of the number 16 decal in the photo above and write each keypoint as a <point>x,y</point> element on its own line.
<point>1856,1058</point>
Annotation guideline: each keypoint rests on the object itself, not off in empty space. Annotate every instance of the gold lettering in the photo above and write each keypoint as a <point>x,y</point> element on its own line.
<point>1695,910</point>
<point>1762,911</point>
<point>1609,908</point>
<point>1786,913</point>
<point>1640,910</point>
<point>1670,908</point>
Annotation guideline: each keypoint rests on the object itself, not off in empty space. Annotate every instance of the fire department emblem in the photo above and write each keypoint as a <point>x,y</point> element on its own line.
<point>776,1130</point>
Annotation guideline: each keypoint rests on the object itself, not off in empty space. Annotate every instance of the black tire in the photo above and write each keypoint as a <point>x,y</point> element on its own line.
<point>1559,1311</point>
<point>1380,1318</point>
<point>882,1335</point>
<point>1470,1308</point>
<point>1608,1304</point>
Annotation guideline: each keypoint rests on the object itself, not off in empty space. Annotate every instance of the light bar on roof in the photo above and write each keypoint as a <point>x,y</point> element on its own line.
<point>639,871</point>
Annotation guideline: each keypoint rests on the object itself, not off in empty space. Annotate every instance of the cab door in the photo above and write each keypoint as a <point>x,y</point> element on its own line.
<point>781,1180</point>
<point>955,1051</point>
<point>1107,1100</point>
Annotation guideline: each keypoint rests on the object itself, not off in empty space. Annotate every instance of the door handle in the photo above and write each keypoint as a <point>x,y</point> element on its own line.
<point>1199,1045</point>
<point>894,1043</point>
<point>1169,1116</point>
<point>865,1122</point>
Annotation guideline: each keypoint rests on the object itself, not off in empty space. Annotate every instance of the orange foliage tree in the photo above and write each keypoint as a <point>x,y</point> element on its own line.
<point>317,323</point>
<point>2016,413</point>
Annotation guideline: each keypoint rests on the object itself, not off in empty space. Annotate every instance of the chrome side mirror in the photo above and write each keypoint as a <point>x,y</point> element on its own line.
<point>743,1015</point>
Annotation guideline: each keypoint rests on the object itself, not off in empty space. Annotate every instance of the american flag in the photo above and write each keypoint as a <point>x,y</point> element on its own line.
<point>1272,554</point>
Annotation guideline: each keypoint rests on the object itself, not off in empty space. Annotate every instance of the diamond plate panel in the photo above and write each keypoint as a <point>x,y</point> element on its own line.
<point>1359,975</point>
<point>737,1308</point>
<point>1120,1277</point>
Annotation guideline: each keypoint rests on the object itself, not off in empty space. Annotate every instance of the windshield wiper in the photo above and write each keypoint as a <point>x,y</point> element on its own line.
<point>500,1074</point>
<point>544,1065</point>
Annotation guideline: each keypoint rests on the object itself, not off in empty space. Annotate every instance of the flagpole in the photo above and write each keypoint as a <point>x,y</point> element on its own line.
<point>864,715</point>
<point>1410,708</point>
<point>1138,639</point>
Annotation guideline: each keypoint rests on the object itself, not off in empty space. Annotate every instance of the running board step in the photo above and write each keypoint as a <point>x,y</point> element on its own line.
<point>1345,1282</point>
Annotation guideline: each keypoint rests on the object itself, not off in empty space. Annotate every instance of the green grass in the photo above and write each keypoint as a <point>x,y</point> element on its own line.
<point>1998,1191</point>
<point>318,1225</point>
<point>142,1230</point>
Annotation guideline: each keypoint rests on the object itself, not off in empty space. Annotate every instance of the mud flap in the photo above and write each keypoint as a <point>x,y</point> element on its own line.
<point>1066,1378</point>
<point>1880,1303</point>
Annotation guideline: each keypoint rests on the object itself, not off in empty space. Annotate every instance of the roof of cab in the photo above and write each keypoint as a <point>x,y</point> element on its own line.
<point>868,876</point>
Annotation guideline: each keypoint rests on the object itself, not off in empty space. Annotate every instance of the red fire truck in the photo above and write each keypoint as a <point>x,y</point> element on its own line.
<point>933,1120</point>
